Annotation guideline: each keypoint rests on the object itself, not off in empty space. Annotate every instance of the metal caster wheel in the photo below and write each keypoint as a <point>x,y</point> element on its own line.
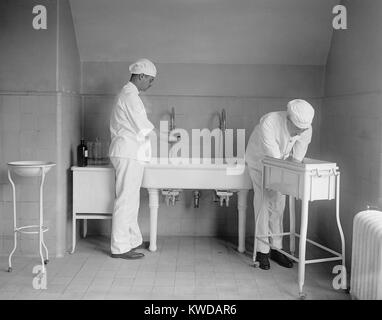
<point>256,264</point>
<point>46,261</point>
<point>10,269</point>
<point>302,295</point>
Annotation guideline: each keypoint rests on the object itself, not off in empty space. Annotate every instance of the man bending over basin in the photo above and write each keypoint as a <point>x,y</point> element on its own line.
<point>281,135</point>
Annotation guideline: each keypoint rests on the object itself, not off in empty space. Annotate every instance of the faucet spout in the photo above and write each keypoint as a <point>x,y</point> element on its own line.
<point>172,119</point>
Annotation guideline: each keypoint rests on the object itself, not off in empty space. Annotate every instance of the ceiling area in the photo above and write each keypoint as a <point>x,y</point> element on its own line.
<point>284,32</point>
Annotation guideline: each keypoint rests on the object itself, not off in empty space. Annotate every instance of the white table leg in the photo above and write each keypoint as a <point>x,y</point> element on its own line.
<point>343,271</point>
<point>302,247</point>
<point>154,205</point>
<point>84,227</point>
<point>74,233</point>
<point>241,207</point>
<point>292,224</point>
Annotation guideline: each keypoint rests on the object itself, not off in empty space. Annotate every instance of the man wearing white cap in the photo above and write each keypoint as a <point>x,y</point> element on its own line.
<point>129,149</point>
<point>281,135</point>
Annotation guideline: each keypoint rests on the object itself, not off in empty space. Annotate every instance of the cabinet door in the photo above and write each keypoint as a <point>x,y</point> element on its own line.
<point>93,191</point>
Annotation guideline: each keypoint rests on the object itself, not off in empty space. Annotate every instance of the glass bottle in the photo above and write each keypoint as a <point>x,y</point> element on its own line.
<point>82,154</point>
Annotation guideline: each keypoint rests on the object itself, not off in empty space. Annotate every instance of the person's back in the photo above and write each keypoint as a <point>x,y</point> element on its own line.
<point>127,119</point>
<point>272,138</point>
<point>255,151</point>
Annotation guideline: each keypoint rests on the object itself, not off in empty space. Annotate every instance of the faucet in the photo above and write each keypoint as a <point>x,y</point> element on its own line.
<point>172,119</point>
<point>196,194</point>
<point>223,121</point>
<point>223,196</point>
<point>171,195</point>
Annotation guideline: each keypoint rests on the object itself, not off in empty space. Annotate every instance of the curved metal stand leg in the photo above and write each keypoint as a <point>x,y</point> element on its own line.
<point>46,250</point>
<point>14,222</point>
<point>40,238</point>
<point>343,271</point>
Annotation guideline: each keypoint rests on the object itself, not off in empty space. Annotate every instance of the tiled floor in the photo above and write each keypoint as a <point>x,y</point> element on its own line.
<point>182,268</point>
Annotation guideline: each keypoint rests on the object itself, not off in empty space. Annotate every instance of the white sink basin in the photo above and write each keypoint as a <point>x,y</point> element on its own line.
<point>195,173</point>
<point>30,168</point>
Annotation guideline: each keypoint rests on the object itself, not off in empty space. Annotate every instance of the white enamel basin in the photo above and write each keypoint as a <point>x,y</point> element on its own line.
<point>30,168</point>
<point>196,173</point>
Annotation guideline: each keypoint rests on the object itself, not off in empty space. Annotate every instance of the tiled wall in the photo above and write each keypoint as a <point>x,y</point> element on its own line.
<point>352,118</point>
<point>39,118</point>
<point>28,132</point>
<point>38,127</point>
<point>199,92</point>
<point>191,112</point>
<point>69,134</point>
<point>351,133</point>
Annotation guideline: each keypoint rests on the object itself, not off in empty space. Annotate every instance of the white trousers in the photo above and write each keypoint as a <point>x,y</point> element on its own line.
<point>125,233</point>
<point>271,211</point>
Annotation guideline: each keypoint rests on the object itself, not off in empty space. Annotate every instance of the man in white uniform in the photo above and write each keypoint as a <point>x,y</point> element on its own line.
<point>281,135</point>
<point>129,149</point>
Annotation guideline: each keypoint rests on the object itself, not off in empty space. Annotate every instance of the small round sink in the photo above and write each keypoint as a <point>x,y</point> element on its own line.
<point>30,168</point>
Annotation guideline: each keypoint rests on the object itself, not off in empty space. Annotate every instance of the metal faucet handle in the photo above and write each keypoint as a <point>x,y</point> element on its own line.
<point>223,120</point>
<point>172,119</point>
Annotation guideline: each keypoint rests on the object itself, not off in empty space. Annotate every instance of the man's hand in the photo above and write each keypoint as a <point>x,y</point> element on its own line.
<point>290,158</point>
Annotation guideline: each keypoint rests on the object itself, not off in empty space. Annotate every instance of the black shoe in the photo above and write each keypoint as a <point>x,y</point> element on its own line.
<point>128,255</point>
<point>263,260</point>
<point>281,259</point>
<point>143,245</point>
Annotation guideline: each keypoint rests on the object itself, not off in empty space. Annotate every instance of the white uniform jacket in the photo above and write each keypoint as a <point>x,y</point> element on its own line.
<point>129,126</point>
<point>271,138</point>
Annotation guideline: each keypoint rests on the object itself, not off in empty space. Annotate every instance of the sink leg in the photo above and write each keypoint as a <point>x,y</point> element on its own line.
<point>154,205</point>
<point>241,207</point>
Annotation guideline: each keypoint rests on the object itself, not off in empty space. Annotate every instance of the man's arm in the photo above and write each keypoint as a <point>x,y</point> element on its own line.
<point>301,146</point>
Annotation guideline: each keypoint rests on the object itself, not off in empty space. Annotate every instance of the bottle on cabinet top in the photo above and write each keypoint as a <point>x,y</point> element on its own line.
<point>82,154</point>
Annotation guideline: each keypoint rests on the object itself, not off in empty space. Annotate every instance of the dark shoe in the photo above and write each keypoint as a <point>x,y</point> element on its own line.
<point>128,255</point>
<point>281,259</point>
<point>263,260</point>
<point>144,245</point>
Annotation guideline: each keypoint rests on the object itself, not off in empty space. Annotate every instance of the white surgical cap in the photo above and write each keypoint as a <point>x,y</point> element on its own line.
<point>143,66</point>
<point>301,113</point>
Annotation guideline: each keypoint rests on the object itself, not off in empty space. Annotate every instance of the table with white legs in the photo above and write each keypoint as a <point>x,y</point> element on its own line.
<point>309,181</point>
<point>29,169</point>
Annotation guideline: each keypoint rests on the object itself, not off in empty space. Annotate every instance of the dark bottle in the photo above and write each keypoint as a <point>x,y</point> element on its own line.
<point>82,154</point>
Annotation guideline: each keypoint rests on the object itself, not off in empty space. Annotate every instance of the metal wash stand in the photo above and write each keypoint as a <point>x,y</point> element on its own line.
<point>309,181</point>
<point>30,169</point>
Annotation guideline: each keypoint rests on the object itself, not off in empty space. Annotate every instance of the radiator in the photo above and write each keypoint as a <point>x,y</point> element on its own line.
<point>366,262</point>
